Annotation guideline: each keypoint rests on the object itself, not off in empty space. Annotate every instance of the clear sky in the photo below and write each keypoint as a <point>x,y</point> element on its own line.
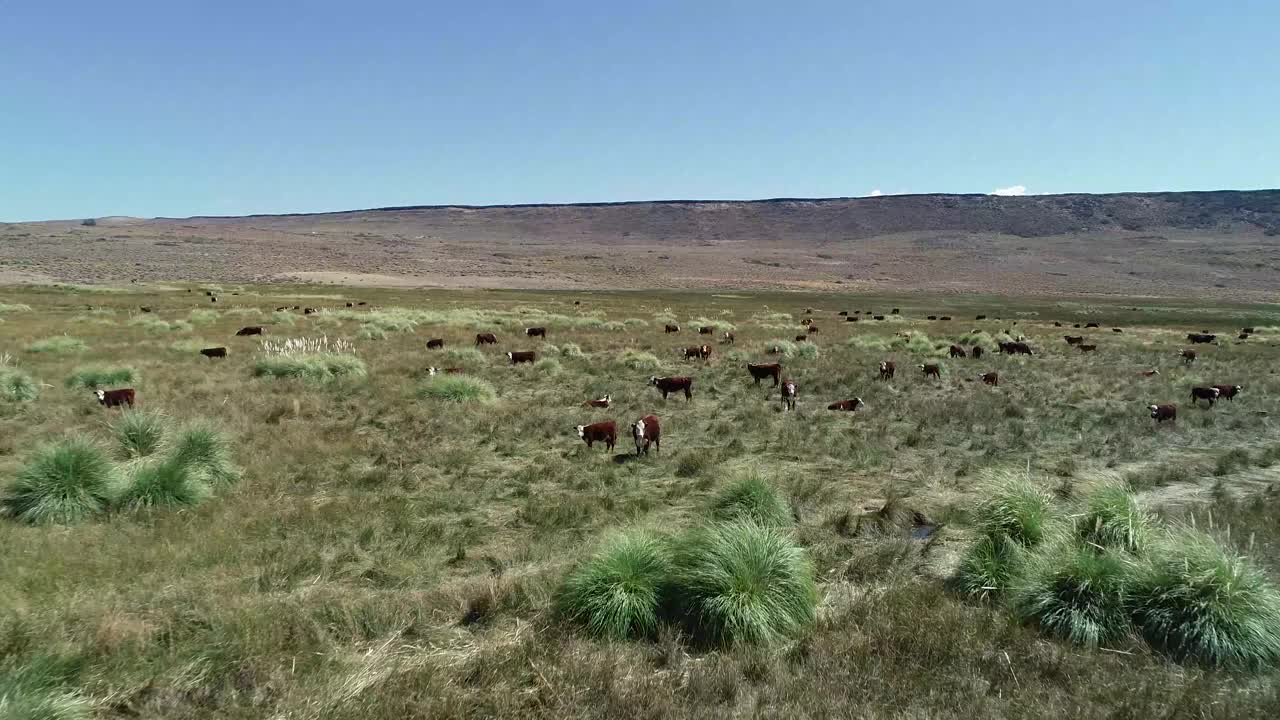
<point>228,107</point>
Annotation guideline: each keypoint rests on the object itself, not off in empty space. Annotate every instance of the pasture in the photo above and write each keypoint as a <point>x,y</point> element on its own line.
<point>395,543</point>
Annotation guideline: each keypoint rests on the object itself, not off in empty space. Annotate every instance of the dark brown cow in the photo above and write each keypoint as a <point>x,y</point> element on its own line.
<point>932,317</point>
<point>957,351</point>
<point>308,311</point>
<point>788,395</point>
<point>446,371</point>
<point>145,308</point>
<point>980,317</point>
<point>1228,391</point>
<point>887,368</point>
<point>1119,330</point>
<point>1087,348</point>
<point>760,372</point>
<point>1188,356</point>
<point>802,338</point>
<point>813,329</point>
<point>945,317</point>
<point>1242,336</point>
<point>990,378</point>
<point>1247,331</point>
<point>115,398</point>
<point>728,338</point>
<point>536,332</point>
<point>601,402</point>
<point>435,343</point>
<point>671,329</point>
<point>977,352</point>
<point>847,405</point>
<point>931,370</point>
<point>895,311</point>
<point>1073,339</point>
<point>706,331</point>
<point>843,313</point>
<point>605,432</point>
<point>1209,394</point>
<point>1160,413</point>
<point>486,339</point>
<point>1076,326</point>
<point>218,352</point>
<point>1201,338</point>
<point>1016,348</point>
<point>670,385</point>
<point>250,330</point>
<point>878,317</point>
<point>1057,324</point>
<point>213,299</point>
<point>702,352</point>
<point>850,318</point>
<point>646,432</point>
<point>1091,325</point>
<point>522,356</point>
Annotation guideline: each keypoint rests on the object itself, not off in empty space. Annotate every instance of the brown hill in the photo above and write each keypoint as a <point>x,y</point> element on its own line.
<point>1225,243</point>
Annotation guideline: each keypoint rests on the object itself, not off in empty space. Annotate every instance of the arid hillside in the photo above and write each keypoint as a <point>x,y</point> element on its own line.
<point>1225,244</point>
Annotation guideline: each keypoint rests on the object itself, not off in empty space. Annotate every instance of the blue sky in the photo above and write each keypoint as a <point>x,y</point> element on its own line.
<point>181,108</point>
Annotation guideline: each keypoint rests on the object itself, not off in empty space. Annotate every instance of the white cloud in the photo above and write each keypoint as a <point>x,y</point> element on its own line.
<point>1014,190</point>
<point>876,193</point>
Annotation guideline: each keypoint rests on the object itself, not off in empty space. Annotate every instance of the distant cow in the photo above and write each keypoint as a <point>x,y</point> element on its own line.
<point>1163,412</point>
<point>1076,326</point>
<point>671,328</point>
<point>807,321</point>
<point>847,405</point>
<point>116,398</point>
<point>1243,336</point>
<point>728,338</point>
<point>932,317</point>
<point>1016,348</point>
<point>850,318</point>
<point>145,308</point>
<point>699,351</point>
<point>1247,331</point>
<point>433,371</point>
<point>218,352</point>
<point>1201,338</point>
<point>670,385</point>
<point>945,317</point>
<point>646,432</point>
<point>895,311</point>
<point>980,317</point>
<point>1228,391</point>
<point>977,352</point>
<point>536,332</point>
<point>605,432</point>
<point>878,317</point>
<point>813,329</point>
<point>760,372</point>
<point>308,311</point>
<point>1150,373</point>
<point>1087,348</point>
<point>1073,339</point>
<point>706,330</point>
<point>990,378</point>
<point>1057,324</point>
<point>1091,325</point>
<point>522,356</point>
<point>957,351</point>
<point>435,343</point>
<point>486,339</point>
<point>887,369</point>
<point>250,330</point>
<point>801,338</point>
<point>931,370</point>
<point>213,299</point>
<point>843,313</point>
<point>601,402</point>
<point>1204,393</point>
<point>1188,356</point>
<point>789,395</point>
<point>1117,330</point>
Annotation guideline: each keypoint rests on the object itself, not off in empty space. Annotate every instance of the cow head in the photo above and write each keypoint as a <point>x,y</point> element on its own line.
<point>606,399</point>
<point>510,356</point>
<point>582,431</point>
<point>884,366</point>
<point>432,371</point>
<point>1155,410</point>
<point>637,431</point>
<point>653,380</point>
<point>920,366</point>
<point>102,394</point>
<point>857,403</point>
<point>1216,392</point>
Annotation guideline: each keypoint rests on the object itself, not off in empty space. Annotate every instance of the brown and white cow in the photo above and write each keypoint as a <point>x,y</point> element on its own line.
<point>813,329</point>
<point>211,353</point>
<point>1087,348</point>
<point>1150,373</point>
<point>1073,339</point>
<point>536,332</point>
<point>702,352</point>
<point>706,330</point>
<point>646,432</point>
<point>522,356</point>
<point>250,330</point>
<point>435,343</point>
<point>1209,394</point>
<point>116,398</point>
<point>1016,348</point>
<point>1228,391</point>
<point>977,352</point>
<point>446,371</point>
<point>807,321</point>
<point>887,369</point>
<point>762,371</point>
<point>931,370</point>
<point>1160,413</point>
<point>671,329</point>
<point>847,405</point>
<point>670,385</point>
<point>788,395</point>
<point>1188,356</point>
<point>728,338</point>
<point>957,351</point>
<point>486,339</point>
<point>605,432</point>
<point>600,402</point>
<point>990,378</point>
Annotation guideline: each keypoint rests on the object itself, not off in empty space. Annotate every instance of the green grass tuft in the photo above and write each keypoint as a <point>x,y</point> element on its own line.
<point>1112,519</point>
<point>1015,508</point>
<point>459,389</point>
<point>92,378</point>
<point>1075,593</point>
<point>751,497</point>
<point>617,592</point>
<point>61,345</point>
<point>168,483</point>
<point>17,386</point>
<point>14,308</point>
<point>547,366</point>
<point>38,691</point>
<point>640,360</point>
<point>314,367</point>
<point>208,453</point>
<point>988,567</point>
<point>202,317</point>
<point>62,483</point>
<point>465,357</point>
<point>140,433</point>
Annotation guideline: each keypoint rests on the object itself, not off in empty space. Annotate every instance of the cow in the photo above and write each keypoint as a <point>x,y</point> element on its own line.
<point>1016,348</point>
<point>1073,339</point>
<point>486,339</point>
<point>605,432</point>
<point>536,332</point>
<point>887,368</point>
<point>519,356</point>
<point>115,398</point>
<point>1118,330</point>
<point>601,402</point>
<point>218,352</point>
<point>977,352</point>
<point>991,378</point>
<point>813,329</point>
<point>1164,412</point>
<point>808,311</point>
<point>670,385</point>
<point>957,351</point>
<point>1057,324</point>
<point>706,330</point>
<point>1242,336</point>
<point>209,293</point>
<point>351,304</point>
<point>1188,356</point>
<point>801,338</point>
<point>1076,326</point>
<point>847,405</point>
<point>932,317</point>
<point>213,299</point>
<point>700,351</point>
<point>850,318</point>
<point>878,317</point>
<point>435,344</point>
<point>250,330</point>
<point>145,308</point>
<point>1201,338</point>
<point>980,317</point>
<point>308,311</point>
<point>433,371</point>
<point>1247,331</point>
<point>362,303</point>
<point>807,321</point>
<point>895,311</point>
<point>1150,373</point>
<point>671,329</point>
<point>788,395</point>
<point>843,313</point>
<point>282,308</point>
<point>1204,393</point>
<point>645,432</point>
<point>945,317</point>
<point>1228,391</point>
<point>728,338</point>
<point>760,372</point>
<point>931,370</point>
<point>1090,325</point>
<point>1087,348</point>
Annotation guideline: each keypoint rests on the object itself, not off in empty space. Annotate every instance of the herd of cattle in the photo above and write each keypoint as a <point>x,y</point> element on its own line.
<point>647,432</point>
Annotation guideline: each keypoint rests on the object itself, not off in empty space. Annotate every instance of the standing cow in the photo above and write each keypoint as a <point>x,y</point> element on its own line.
<point>887,369</point>
<point>116,398</point>
<point>760,372</point>
<point>536,332</point>
<point>486,339</point>
<point>788,395</point>
<point>605,432</point>
<point>670,385</point>
<point>646,432</point>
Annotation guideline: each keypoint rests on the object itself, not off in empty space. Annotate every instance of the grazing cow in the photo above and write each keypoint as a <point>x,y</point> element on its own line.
<point>932,317</point>
<point>895,311</point>
<point>605,432</point>
<point>706,330</point>
<point>486,339</point>
<point>433,371</point>
<point>700,351</point>
<point>945,317</point>
<point>1150,373</point>
<point>728,338</point>
<point>807,321</point>
<point>808,311</point>
<point>788,395</point>
<point>813,329</point>
<point>308,311</point>
<point>525,356</point>
<point>362,303</point>
<point>670,385</point>
<point>878,317</point>
<point>1243,336</point>
<point>1205,393</point>
<point>980,317</point>
<point>671,329</point>
<point>115,398</point>
<point>1073,339</point>
<point>1087,348</point>
<point>645,432</point>
<point>931,370</point>
<point>990,378</point>
<point>209,293</point>
<point>977,352</point>
<point>218,352</point>
<point>1188,356</point>
<point>1076,326</point>
<point>1117,330</point>
<point>1016,348</point>
<point>1247,331</point>
<point>801,338</point>
<point>602,402</point>
<point>536,332</point>
<point>847,405</point>
<point>145,308</point>
<point>1090,325</point>
<point>1201,338</point>
<point>351,304</point>
<point>282,308</point>
<point>760,372</point>
<point>1057,324</point>
<point>957,351</point>
<point>1164,412</point>
<point>1228,391</point>
<point>213,299</point>
<point>887,368</point>
<point>435,343</point>
<point>843,313</point>
<point>250,330</point>
<point>850,318</point>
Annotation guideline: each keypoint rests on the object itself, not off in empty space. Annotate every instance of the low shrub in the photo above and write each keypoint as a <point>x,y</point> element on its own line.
<point>92,378</point>
<point>283,317</point>
<point>62,345</point>
<point>618,591</point>
<point>1015,508</point>
<point>62,482</point>
<point>17,386</point>
<point>459,389</point>
<point>568,350</point>
<point>639,360</point>
<point>1075,593</point>
<point>613,326</point>
<point>547,366</point>
<point>988,567</point>
<point>140,433</point>
<point>807,351</point>
<point>751,497</point>
<point>868,342</point>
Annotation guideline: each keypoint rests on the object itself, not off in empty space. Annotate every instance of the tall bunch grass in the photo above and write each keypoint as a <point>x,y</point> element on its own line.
<point>92,378</point>
<point>459,389</point>
<point>311,359</point>
<point>1075,593</point>
<point>1111,518</point>
<point>61,345</point>
<point>62,483</point>
<point>617,592</point>
<point>16,386</point>
<point>640,360</point>
<point>208,453</point>
<point>751,497</point>
<point>163,483</point>
<point>140,433</point>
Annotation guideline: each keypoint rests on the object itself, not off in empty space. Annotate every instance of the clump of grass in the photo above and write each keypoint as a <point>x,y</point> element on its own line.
<point>751,497</point>
<point>207,452</point>
<point>140,433</point>
<point>1231,461</point>
<point>465,357</point>
<point>807,351</point>
<point>868,342</point>
<point>617,592</point>
<point>978,338</point>
<point>743,583</point>
<point>283,317</point>
<point>666,317</point>
<point>613,326</point>
<point>919,343</point>
<point>635,322</point>
<point>371,332</point>
<point>640,360</point>
<point>785,348</point>
<point>166,483</point>
<point>988,567</point>
<point>1015,516</point>
<point>312,359</point>
<point>17,386</point>
<point>37,691</point>
<point>245,312</point>
<point>202,317</point>
<point>1075,593</point>
<point>1197,601</point>
<point>155,324</point>
<point>14,308</point>
<point>62,483</point>
<point>571,350</point>
<point>1112,519</point>
<point>92,378</point>
<point>459,389</point>
<point>61,345</point>
<point>547,366</point>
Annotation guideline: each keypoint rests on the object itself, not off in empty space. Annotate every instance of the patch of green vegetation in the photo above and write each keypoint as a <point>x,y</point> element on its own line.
<point>616,593</point>
<point>92,378</point>
<point>313,367</point>
<point>752,497</point>
<point>17,386</point>
<point>140,433</point>
<point>62,345</point>
<point>459,389</point>
<point>62,482</point>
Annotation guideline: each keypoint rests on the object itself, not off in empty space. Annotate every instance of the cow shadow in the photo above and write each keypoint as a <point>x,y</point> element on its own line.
<point>624,458</point>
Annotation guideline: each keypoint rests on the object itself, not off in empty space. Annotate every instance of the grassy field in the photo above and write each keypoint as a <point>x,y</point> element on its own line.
<point>386,544</point>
